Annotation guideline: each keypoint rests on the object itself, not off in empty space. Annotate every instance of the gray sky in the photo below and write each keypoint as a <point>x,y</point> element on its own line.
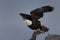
<point>12,26</point>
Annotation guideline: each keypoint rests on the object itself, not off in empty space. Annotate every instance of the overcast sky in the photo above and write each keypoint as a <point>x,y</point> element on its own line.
<point>11,23</point>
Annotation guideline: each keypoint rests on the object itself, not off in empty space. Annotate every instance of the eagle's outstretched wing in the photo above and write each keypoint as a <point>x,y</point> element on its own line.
<point>38,13</point>
<point>26,16</point>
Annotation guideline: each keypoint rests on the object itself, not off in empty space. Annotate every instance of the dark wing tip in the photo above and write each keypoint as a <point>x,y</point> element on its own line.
<point>50,8</point>
<point>26,16</point>
<point>20,13</point>
<point>47,8</point>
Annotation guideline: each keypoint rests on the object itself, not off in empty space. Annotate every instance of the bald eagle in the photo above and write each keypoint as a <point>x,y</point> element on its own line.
<point>32,20</point>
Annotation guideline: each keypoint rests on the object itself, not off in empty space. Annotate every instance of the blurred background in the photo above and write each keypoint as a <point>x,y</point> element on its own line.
<point>11,23</point>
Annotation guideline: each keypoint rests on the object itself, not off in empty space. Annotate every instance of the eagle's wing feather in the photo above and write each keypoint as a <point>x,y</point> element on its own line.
<point>38,13</point>
<point>25,16</point>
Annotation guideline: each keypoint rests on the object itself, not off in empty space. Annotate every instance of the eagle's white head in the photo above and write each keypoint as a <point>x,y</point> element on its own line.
<point>28,22</point>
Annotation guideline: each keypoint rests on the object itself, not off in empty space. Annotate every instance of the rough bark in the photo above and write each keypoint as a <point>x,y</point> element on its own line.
<point>48,37</point>
<point>34,35</point>
<point>53,37</point>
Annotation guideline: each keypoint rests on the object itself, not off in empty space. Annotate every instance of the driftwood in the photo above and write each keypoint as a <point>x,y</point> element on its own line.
<point>34,35</point>
<point>53,37</point>
<point>48,37</point>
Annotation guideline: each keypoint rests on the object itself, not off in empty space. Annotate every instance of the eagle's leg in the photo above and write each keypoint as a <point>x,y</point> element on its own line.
<point>44,28</point>
<point>37,30</point>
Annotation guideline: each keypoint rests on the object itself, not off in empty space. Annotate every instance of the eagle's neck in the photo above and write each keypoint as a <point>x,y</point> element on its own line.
<point>28,22</point>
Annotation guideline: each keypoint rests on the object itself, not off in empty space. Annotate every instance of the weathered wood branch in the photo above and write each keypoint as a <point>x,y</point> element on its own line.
<point>53,37</point>
<point>48,37</point>
<point>34,35</point>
